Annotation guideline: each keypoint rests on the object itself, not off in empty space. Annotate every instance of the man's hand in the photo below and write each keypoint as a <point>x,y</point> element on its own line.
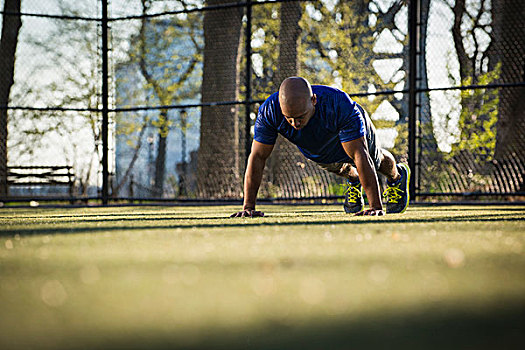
<point>252,179</point>
<point>371,212</point>
<point>247,213</point>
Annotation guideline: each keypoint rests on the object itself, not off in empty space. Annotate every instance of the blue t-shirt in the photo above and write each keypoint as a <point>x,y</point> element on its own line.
<point>337,119</point>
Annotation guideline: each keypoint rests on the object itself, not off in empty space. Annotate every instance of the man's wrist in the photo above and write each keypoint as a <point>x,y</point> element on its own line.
<point>248,207</point>
<point>376,207</point>
<point>376,204</point>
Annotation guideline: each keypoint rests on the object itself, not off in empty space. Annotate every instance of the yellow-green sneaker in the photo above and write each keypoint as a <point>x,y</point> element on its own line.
<point>354,202</point>
<point>397,194</point>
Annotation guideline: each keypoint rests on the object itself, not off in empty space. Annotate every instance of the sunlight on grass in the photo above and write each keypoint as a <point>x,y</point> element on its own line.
<point>190,277</point>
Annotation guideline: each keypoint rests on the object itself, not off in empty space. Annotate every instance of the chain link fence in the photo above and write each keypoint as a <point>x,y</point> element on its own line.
<point>471,139</point>
<point>184,80</point>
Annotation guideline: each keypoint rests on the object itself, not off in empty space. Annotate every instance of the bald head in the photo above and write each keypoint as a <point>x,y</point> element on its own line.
<point>297,101</point>
<point>294,90</point>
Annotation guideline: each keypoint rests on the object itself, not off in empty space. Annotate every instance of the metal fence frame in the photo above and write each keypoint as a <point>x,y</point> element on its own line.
<point>415,52</point>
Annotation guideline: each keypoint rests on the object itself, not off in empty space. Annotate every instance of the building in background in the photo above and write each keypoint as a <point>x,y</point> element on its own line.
<point>163,69</point>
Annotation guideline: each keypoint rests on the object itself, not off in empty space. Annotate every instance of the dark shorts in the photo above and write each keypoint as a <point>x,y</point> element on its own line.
<point>374,149</point>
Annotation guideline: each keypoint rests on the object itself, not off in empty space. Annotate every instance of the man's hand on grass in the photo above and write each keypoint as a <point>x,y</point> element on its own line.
<point>247,213</point>
<point>371,212</point>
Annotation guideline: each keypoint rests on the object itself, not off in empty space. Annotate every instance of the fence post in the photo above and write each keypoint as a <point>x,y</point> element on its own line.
<point>105,104</point>
<point>413,34</point>
<point>248,98</point>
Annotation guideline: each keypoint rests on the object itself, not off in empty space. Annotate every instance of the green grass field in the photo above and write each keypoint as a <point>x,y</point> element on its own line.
<point>304,277</point>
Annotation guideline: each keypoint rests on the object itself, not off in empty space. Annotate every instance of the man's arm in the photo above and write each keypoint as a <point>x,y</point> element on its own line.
<point>358,151</point>
<point>253,177</point>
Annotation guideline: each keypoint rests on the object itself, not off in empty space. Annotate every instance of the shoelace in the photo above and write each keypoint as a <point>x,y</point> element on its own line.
<point>393,193</point>
<point>353,193</point>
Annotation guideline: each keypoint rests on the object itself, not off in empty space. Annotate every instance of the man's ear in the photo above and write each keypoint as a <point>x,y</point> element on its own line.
<point>314,99</point>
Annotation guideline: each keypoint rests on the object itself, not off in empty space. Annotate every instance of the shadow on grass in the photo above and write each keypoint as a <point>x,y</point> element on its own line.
<point>517,208</point>
<point>29,214</point>
<point>432,328</point>
<point>142,216</point>
<point>197,223</point>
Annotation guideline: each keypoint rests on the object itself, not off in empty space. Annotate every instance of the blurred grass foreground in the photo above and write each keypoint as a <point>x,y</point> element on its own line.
<point>304,277</point>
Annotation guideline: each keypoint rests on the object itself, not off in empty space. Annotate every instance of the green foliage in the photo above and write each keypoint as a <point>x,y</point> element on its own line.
<point>335,189</point>
<point>166,57</point>
<point>338,43</point>
<point>478,118</point>
<point>269,190</point>
<point>265,48</point>
<point>163,67</point>
<point>401,143</point>
<point>162,124</point>
<point>337,48</point>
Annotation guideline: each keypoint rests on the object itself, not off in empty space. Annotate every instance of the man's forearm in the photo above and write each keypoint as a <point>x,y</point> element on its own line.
<point>252,181</point>
<point>368,178</point>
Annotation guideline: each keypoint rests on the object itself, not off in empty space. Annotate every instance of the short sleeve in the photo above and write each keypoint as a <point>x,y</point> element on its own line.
<point>264,131</point>
<point>351,121</point>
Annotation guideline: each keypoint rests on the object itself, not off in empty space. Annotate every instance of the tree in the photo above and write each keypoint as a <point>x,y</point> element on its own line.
<point>169,65</point>
<point>478,108</point>
<point>430,157</point>
<point>219,158</point>
<point>328,43</point>
<point>10,28</point>
<point>470,164</point>
<point>339,48</point>
<point>509,52</point>
<point>285,156</point>
<point>73,82</point>
<point>489,45</point>
<point>163,67</point>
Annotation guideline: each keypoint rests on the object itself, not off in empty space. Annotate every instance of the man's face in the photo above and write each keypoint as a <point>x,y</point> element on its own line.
<point>299,112</point>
